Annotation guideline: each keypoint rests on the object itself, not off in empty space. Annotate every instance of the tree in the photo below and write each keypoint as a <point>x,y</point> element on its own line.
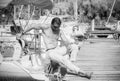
<point>93,8</point>
<point>70,9</point>
<point>8,12</point>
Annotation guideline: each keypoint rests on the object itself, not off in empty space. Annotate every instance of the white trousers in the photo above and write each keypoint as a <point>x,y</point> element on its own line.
<point>74,52</point>
<point>57,55</point>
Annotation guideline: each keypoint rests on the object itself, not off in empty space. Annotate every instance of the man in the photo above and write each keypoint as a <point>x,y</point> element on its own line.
<point>78,34</point>
<point>76,44</point>
<point>51,34</point>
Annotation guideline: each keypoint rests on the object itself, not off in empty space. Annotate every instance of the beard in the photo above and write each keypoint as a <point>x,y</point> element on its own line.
<point>55,30</point>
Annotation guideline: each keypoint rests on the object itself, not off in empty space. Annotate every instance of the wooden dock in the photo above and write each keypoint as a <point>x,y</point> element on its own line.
<point>101,31</point>
<point>101,56</point>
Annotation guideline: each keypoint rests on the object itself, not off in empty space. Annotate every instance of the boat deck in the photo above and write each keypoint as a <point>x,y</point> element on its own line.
<point>101,56</point>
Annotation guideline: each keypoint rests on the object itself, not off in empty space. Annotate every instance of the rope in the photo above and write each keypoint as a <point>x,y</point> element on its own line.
<point>30,17</point>
<point>111,11</point>
<point>21,9</point>
<point>39,43</point>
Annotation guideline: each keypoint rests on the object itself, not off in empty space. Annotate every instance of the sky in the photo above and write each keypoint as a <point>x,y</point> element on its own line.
<point>4,3</point>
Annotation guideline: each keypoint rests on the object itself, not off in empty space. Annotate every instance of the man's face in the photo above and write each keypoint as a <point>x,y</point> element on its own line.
<point>55,27</point>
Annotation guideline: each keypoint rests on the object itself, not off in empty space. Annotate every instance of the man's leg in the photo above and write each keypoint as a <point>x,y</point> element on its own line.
<point>74,52</point>
<point>57,57</point>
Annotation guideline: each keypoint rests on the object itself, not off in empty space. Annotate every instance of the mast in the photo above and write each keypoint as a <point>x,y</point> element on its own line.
<point>75,9</point>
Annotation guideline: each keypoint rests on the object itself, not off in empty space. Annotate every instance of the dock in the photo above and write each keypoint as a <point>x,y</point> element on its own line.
<point>100,56</point>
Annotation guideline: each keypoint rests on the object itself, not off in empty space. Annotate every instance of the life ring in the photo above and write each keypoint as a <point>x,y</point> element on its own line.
<point>11,50</point>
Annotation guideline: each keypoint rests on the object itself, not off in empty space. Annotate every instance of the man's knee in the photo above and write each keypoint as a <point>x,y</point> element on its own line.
<point>60,50</point>
<point>74,47</point>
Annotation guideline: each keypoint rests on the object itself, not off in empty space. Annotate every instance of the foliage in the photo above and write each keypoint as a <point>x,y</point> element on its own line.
<point>87,9</point>
<point>7,12</point>
<point>93,9</point>
<point>70,10</point>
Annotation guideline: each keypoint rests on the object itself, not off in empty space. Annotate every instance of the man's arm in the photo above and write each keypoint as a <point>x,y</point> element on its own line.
<point>36,26</point>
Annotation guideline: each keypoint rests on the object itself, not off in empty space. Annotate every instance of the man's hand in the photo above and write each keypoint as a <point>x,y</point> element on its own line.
<point>69,48</point>
<point>18,36</point>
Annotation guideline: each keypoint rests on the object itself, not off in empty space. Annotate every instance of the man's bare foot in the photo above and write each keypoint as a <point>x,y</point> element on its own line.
<point>87,75</point>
